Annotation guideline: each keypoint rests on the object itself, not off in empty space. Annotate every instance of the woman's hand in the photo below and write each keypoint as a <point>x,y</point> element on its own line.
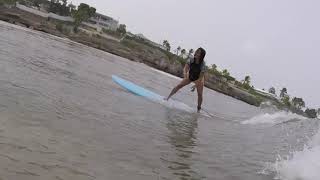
<point>185,75</point>
<point>186,71</point>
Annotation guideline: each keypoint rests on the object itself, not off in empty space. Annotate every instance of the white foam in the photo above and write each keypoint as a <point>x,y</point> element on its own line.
<point>300,165</point>
<point>176,105</point>
<point>173,104</point>
<point>275,118</point>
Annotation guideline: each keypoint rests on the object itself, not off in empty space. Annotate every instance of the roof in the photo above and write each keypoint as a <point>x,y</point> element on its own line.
<point>104,16</point>
<point>265,92</point>
<point>141,36</point>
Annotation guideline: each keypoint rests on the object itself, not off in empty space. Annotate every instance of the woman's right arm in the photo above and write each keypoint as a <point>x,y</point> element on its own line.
<point>186,70</point>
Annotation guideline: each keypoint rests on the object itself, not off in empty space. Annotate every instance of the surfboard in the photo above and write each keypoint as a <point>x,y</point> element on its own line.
<point>143,92</point>
<point>135,89</point>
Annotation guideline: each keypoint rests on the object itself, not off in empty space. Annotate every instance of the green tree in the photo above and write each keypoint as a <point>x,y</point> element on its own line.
<point>122,29</point>
<point>83,13</point>
<point>166,44</point>
<point>283,92</point>
<point>225,72</point>
<point>178,50</point>
<point>298,102</point>
<point>183,53</point>
<point>246,83</point>
<point>37,3</point>
<point>72,7</point>
<point>311,113</point>
<point>247,80</point>
<point>286,100</point>
<point>272,90</point>
<point>56,6</point>
<point>190,53</point>
<point>214,67</point>
<point>64,3</point>
<point>11,2</point>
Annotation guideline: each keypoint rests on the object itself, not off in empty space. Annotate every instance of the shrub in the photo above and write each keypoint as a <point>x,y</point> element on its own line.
<point>59,27</point>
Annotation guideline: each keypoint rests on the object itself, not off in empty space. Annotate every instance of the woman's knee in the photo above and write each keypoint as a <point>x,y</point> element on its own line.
<point>179,86</point>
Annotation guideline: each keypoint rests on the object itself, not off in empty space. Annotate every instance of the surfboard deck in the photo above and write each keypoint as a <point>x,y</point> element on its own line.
<point>135,89</point>
<point>143,92</point>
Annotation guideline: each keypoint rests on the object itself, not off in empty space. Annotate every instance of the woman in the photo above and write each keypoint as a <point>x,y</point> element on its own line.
<point>193,72</point>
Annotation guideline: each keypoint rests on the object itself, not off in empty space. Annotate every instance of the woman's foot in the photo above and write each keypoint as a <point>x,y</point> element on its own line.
<point>199,108</point>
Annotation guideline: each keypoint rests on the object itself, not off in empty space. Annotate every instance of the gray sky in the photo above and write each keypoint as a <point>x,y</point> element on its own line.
<point>276,42</point>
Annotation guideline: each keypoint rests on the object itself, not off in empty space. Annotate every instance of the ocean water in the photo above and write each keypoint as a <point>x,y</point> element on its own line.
<point>62,117</point>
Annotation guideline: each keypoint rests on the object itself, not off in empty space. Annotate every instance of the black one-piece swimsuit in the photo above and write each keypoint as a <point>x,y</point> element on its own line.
<point>194,71</point>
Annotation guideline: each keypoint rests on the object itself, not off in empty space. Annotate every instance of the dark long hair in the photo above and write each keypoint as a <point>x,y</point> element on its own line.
<point>203,54</point>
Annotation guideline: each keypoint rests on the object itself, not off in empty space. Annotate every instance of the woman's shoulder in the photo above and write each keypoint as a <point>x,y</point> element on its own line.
<point>203,66</point>
<point>190,60</point>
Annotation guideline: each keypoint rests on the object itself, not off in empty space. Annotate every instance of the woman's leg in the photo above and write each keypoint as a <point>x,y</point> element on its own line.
<point>183,83</point>
<point>199,85</point>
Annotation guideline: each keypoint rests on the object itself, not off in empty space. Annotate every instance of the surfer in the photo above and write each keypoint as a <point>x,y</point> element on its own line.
<point>193,71</point>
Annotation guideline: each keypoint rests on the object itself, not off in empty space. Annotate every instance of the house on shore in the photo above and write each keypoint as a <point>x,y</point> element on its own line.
<point>101,21</point>
<point>97,22</point>
<point>265,93</point>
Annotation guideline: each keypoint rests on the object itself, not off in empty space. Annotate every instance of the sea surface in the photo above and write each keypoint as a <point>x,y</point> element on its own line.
<point>63,118</point>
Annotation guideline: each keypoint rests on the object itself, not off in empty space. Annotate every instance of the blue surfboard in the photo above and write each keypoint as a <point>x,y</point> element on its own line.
<point>135,89</point>
<point>140,91</point>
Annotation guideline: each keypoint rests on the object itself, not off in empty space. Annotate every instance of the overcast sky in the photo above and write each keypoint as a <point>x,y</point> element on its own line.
<point>276,42</point>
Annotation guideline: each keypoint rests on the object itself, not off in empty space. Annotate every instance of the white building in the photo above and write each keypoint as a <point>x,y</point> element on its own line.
<point>100,21</point>
<point>263,92</point>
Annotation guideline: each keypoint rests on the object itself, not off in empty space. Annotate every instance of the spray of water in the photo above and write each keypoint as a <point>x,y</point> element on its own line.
<point>299,165</point>
<point>275,118</point>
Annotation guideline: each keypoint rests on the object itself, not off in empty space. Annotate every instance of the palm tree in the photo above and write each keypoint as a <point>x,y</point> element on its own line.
<point>191,51</point>
<point>72,7</point>
<point>122,29</point>
<point>214,67</point>
<point>286,100</point>
<point>225,73</point>
<point>178,50</point>
<point>166,44</point>
<point>64,3</point>
<point>283,92</point>
<point>298,102</point>
<point>272,90</point>
<point>247,80</point>
<point>183,53</point>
